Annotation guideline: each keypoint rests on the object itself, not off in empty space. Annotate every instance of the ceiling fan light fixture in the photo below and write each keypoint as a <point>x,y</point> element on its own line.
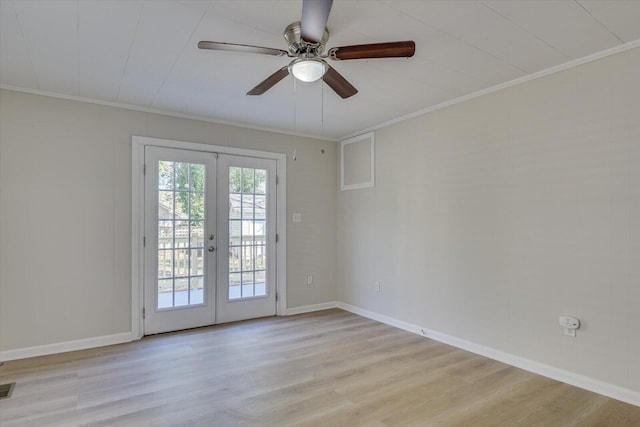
<point>308,69</point>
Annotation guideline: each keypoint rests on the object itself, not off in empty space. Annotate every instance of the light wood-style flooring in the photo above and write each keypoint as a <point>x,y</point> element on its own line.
<point>330,368</point>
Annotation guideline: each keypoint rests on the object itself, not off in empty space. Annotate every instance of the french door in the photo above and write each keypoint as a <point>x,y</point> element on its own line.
<point>247,272</point>
<point>180,238</point>
<point>209,239</point>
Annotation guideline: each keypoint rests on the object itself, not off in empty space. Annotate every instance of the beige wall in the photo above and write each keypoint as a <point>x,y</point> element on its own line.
<point>492,217</point>
<point>65,214</point>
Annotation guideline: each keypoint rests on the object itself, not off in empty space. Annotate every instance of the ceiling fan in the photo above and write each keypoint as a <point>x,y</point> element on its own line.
<point>307,40</point>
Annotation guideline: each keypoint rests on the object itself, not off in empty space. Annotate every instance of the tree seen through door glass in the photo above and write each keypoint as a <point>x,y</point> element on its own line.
<point>261,181</point>
<point>165,175</point>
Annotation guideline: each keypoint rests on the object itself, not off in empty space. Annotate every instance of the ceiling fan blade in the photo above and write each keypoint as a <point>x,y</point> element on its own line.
<point>245,48</point>
<point>315,14</point>
<point>269,82</point>
<point>338,83</point>
<point>374,50</point>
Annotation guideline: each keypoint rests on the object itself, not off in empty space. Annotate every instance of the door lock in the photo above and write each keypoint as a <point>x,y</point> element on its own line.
<point>211,249</point>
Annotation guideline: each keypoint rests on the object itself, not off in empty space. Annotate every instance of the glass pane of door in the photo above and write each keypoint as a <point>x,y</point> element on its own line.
<point>247,232</point>
<point>181,240</point>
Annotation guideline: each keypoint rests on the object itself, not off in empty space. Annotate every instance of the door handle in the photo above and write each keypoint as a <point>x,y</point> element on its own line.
<point>211,249</point>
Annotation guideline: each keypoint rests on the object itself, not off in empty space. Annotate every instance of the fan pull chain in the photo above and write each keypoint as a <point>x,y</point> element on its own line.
<point>322,109</point>
<point>295,117</point>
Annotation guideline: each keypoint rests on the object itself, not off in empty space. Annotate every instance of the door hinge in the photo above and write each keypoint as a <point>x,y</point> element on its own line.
<point>144,169</point>
<point>277,238</point>
<point>276,296</point>
<point>144,241</point>
<point>144,315</point>
<point>277,180</point>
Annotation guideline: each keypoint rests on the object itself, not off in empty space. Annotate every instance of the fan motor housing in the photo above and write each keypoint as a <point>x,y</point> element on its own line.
<point>298,46</point>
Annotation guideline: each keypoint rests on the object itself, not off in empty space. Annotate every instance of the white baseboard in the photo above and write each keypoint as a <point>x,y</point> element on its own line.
<point>63,347</point>
<point>587,383</point>
<point>310,308</point>
<point>381,318</point>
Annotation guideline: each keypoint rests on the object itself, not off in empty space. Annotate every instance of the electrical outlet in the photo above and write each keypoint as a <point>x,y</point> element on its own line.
<point>309,280</point>
<point>570,324</point>
<point>376,286</point>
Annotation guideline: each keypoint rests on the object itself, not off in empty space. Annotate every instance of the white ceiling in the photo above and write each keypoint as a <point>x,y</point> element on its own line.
<point>144,54</point>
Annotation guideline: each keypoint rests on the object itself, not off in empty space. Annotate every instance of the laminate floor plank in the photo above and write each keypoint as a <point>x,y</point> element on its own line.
<point>329,368</point>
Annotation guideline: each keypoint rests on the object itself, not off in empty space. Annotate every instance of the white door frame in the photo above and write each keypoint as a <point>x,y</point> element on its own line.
<point>137,218</point>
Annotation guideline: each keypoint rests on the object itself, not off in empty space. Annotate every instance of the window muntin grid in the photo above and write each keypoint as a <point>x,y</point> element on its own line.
<point>181,252</point>
<point>247,233</point>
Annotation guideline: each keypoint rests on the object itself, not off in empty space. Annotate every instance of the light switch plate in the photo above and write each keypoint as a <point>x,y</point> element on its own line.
<point>297,217</point>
